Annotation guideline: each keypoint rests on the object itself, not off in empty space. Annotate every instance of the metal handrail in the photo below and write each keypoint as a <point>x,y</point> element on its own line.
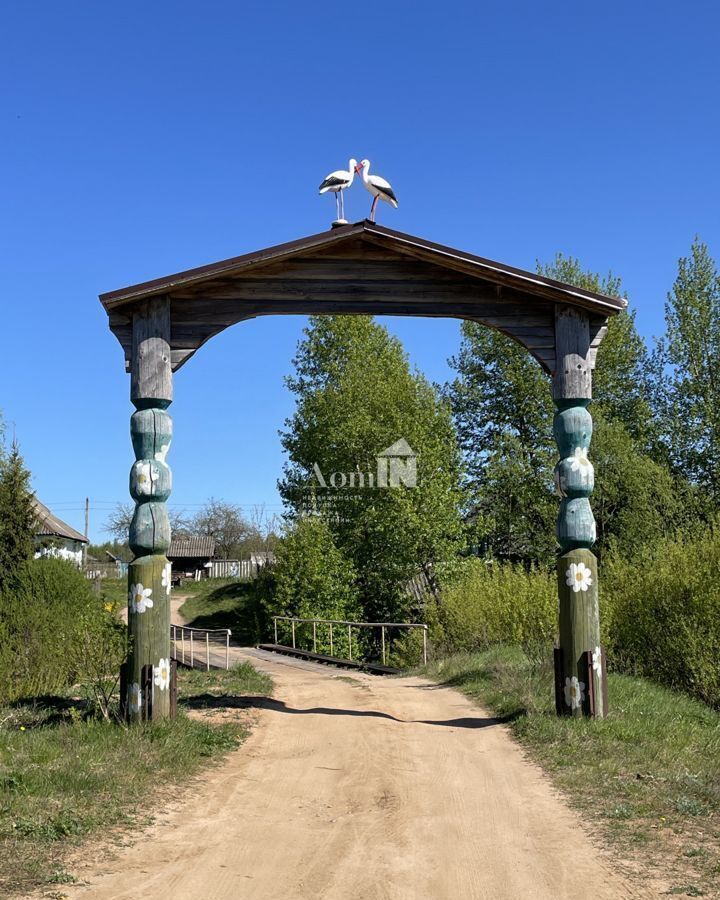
<point>193,631</point>
<point>350,625</point>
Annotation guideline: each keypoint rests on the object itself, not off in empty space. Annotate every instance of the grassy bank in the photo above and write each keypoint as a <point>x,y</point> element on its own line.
<point>64,778</point>
<point>226,603</point>
<point>648,777</point>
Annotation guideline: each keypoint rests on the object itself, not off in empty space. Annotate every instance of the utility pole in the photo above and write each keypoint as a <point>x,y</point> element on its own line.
<point>87,523</point>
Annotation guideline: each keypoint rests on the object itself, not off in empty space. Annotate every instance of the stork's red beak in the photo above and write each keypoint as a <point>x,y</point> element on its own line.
<point>358,167</point>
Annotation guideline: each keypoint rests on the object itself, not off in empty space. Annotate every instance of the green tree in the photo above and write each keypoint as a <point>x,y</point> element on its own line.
<point>312,577</point>
<point>17,518</point>
<point>622,385</point>
<point>356,396</point>
<point>503,412</point>
<point>689,391</point>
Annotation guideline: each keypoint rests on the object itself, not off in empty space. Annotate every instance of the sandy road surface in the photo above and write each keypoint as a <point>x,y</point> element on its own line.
<point>354,786</point>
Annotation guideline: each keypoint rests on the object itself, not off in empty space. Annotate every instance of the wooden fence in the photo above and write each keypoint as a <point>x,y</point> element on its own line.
<point>233,568</point>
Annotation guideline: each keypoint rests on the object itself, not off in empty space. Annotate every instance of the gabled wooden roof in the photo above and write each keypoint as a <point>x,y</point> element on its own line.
<point>49,525</point>
<point>362,268</point>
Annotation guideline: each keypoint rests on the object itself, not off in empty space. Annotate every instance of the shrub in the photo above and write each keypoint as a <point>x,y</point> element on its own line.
<point>46,622</point>
<point>662,613</point>
<point>493,603</point>
<point>313,580</point>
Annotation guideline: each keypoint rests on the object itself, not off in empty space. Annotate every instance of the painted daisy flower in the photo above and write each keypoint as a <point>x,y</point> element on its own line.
<point>146,475</point>
<point>574,692</point>
<point>578,577</point>
<point>580,461</point>
<point>162,452</point>
<point>140,598</point>
<point>167,577</point>
<point>161,674</point>
<point>134,697</point>
<point>597,661</point>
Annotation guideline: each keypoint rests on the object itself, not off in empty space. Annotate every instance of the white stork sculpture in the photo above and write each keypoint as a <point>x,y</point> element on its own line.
<point>378,187</point>
<point>337,182</point>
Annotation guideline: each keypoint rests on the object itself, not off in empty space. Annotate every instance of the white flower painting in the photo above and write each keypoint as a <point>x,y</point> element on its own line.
<point>580,462</point>
<point>578,577</point>
<point>167,577</point>
<point>139,598</point>
<point>161,674</point>
<point>134,697</point>
<point>574,692</point>
<point>146,476</point>
<point>597,661</point>
<point>162,452</point>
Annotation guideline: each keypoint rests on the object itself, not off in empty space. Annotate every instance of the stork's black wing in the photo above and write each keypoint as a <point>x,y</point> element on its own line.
<point>388,191</point>
<point>333,181</point>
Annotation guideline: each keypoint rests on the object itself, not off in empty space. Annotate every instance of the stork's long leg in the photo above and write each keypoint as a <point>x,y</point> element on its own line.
<point>337,205</point>
<point>372,208</point>
<point>342,203</point>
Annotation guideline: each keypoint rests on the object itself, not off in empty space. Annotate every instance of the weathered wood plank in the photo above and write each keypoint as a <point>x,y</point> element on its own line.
<point>573,375</point>
<point>150,373</point>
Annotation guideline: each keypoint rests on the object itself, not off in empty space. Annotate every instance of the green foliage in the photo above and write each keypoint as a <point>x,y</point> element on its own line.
<point>636,499</point>
<point>660,609</point>
<point>120,549</point>
<point>688,395</point>
<point>17,518</point>
<point>503,413</point>
<point>312,577</point>
<point>48,621</point>
<point>498,603</point>
<point>241,606</point>
<point>356,396</point>
<point>662,612</point>
<point>621,381</point>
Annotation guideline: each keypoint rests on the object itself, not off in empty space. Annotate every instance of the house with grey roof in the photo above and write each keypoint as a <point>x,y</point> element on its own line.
<point>53,537</point>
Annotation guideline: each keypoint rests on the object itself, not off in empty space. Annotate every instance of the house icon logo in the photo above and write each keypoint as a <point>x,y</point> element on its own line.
<point>397,465</point>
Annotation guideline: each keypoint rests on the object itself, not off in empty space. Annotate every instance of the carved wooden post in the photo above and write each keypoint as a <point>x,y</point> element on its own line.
<point>574,478</point>
<point>150,485</point>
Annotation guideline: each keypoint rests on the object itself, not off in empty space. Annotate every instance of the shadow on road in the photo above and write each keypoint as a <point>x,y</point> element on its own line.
<point>212,701</point>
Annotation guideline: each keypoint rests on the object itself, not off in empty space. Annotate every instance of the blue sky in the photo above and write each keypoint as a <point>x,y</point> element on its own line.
<point>138,139</point>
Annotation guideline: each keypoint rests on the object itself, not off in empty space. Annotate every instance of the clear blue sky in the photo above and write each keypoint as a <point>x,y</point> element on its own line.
<point>143,138</point>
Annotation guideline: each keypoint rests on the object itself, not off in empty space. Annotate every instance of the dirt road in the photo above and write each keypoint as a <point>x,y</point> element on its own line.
<point>355,787</point>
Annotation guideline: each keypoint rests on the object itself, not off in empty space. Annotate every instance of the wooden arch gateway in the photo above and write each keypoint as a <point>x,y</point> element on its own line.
<point>361,269</point>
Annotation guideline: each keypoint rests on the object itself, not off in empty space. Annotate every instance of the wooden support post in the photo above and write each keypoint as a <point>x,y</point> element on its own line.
<point>150,486</point>
<point>173,689</point>
<point>579,626</point>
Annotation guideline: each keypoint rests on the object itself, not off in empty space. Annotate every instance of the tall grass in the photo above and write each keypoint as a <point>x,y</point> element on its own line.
<point>495,603</point>
<point>661,613</point>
